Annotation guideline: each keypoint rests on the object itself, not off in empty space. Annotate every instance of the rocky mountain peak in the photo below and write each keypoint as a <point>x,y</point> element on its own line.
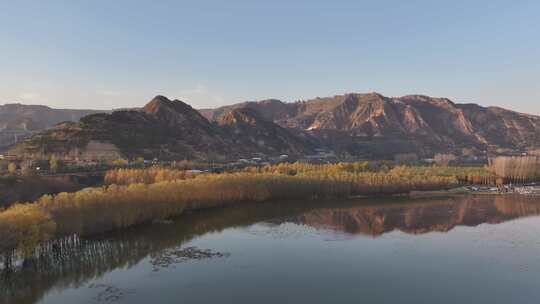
<point>175,113</point>
<point>161,104</point>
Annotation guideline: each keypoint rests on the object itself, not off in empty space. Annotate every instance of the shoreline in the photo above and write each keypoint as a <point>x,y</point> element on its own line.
<point>439,193</point>
<point>124,203</point>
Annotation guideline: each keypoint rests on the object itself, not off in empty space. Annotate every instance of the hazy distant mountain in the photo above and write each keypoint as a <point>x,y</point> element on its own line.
<point>18,120</point>
<point>365,125</point>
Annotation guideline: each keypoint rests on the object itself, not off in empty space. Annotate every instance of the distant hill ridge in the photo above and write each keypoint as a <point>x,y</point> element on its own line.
<point>18,121</point>
<point>16,116</point>
<point>365,125</point>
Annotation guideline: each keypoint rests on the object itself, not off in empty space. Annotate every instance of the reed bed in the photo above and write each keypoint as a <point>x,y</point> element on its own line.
<point>102,209</point>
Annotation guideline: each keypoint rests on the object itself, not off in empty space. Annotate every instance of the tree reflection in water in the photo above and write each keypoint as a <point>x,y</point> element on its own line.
<point>77,261</point>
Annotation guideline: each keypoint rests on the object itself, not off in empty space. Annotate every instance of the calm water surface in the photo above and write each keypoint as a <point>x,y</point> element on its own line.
<point>458,250</point>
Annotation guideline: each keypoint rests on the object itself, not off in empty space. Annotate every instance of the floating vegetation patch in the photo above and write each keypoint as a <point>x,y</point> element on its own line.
<point>109,293</point>
<point>170,257</point>
<point>286,230</point>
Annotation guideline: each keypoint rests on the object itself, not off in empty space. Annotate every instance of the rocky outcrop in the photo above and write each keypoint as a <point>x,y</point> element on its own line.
<point>250,130</point>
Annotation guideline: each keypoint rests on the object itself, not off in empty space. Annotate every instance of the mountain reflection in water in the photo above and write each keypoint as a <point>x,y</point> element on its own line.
<point>422,216</point>
<point>92,258</point>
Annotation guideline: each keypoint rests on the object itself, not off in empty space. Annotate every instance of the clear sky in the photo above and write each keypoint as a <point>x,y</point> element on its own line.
<point>110,54</point>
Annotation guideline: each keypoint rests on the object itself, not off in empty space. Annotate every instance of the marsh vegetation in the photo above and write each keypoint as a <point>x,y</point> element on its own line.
<point>135,196</point>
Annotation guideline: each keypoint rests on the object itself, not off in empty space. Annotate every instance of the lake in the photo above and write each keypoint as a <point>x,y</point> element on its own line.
<point>474,249</point>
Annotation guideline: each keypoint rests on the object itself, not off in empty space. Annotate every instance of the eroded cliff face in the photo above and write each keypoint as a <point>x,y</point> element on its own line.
<point>414,123</point>
<point>251,130</point>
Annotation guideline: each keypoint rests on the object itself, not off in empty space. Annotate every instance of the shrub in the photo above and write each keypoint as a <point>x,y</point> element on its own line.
<point>24,226</point>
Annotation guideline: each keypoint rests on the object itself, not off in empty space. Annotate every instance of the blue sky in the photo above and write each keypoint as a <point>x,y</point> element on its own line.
<point>110,54</point>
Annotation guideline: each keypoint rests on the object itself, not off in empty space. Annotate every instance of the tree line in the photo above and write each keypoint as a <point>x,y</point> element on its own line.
<point>514,169</point>
<point>111,207</point>
<point>134,196</point>
<point>123,176</point>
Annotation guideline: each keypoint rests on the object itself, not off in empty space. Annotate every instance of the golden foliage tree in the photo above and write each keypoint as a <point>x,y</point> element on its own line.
<point>135,196</point>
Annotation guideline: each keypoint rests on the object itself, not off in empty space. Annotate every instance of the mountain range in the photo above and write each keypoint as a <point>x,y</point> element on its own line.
<point>372,123</point>
<point>360,125</point>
